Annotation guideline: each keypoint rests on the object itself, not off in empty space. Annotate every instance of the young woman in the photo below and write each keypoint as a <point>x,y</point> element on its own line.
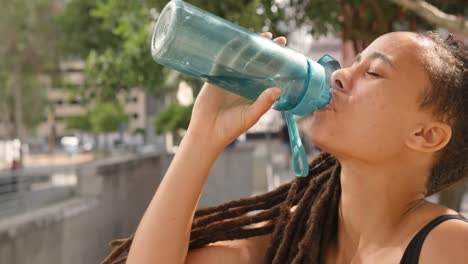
<point>396,132</point>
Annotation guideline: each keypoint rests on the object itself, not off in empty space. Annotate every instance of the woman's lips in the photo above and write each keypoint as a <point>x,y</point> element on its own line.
<point>328,107</point>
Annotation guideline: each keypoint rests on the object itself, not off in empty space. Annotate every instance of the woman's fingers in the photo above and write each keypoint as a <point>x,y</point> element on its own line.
<point>267,35</point>
<point>261,106</point>
<point>281,40</point>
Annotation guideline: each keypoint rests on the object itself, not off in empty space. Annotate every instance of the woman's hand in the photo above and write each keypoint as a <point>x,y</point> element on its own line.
<point>220,116</point>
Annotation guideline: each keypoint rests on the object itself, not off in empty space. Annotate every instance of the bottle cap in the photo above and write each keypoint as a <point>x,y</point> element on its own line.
<point>317,93</point>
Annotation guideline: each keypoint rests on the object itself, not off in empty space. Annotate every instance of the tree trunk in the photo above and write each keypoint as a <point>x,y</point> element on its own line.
<point>52,129</point>
<point>435,16</point>
<point>18,115</point>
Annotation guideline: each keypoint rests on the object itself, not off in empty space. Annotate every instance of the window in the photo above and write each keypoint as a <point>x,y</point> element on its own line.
<point>75,101</point>
<point>132,99</point>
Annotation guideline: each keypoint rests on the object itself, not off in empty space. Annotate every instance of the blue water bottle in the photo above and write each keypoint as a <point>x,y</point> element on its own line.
<point>207,47</point>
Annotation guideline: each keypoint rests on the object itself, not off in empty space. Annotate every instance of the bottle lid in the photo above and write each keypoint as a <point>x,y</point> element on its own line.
<point>317,93</point>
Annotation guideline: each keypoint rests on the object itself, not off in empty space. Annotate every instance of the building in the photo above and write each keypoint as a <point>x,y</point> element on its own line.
<point>64,104</point>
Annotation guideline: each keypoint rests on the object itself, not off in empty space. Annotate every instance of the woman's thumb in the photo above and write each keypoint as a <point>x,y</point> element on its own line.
<point>262,105</point>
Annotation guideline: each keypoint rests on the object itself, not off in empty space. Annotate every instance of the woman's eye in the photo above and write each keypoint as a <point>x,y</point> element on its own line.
<point>373,74</point>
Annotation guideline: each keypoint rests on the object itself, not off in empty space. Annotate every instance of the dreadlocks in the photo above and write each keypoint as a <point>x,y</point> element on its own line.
<point>302,215</point>
<point>316,200</point>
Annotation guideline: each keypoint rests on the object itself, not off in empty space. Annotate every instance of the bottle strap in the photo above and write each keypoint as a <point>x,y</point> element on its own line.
<point>299,156</point>
<point>328,61</point>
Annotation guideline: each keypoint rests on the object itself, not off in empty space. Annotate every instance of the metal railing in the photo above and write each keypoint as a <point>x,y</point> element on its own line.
<point>29,188</point>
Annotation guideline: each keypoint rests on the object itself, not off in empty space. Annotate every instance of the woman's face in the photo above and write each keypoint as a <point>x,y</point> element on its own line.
<point>375,105</point>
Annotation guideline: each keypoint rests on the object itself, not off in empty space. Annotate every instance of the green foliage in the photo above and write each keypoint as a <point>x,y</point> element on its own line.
<point>139,131</point>
<point>34,103</point>
<point>80,122</point>
<point>28,33</point>
<point>121,59</point>
<point>82,32</point>
<point>175,117</point>
<point>28,53</point>
<point>363,21</point>
<point>129,63</point>
<point>114,36</point>
<point>105,117</point>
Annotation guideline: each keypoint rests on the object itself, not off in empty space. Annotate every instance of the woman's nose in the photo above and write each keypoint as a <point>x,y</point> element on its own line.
<point>339,80</point>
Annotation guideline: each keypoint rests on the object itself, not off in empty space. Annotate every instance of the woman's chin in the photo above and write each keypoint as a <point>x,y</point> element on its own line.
<point>327,142</point>
<point>324,148</point>
<point>321,143</point>
<point>320,135</point>
<point>324,135</point>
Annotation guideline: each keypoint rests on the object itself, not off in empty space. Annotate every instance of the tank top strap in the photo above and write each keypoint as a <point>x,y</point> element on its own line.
<point>413,250</point>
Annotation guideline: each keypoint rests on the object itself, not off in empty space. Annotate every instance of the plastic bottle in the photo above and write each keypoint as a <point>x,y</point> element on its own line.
<point>207,47</point>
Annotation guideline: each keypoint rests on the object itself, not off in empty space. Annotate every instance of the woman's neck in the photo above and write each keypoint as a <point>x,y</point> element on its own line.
<point>374,202</point>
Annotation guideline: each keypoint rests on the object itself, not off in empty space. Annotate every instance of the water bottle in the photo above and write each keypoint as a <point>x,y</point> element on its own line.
<point>204,46</point>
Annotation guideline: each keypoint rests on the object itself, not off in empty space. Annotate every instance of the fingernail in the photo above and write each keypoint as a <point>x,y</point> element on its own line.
<point>275,93</point>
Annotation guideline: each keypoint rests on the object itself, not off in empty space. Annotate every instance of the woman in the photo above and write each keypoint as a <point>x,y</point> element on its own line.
<point>395,133</point>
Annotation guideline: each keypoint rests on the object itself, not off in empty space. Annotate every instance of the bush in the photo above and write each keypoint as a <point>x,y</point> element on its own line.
<point>173,118</point>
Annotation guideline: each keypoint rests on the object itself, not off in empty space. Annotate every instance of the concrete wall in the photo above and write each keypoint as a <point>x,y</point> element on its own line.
<point>110,199</point>
<point>231,177</point>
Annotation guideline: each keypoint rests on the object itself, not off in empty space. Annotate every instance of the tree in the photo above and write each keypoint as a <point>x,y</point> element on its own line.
<point>175,117</point>
<point>82,32</point>
<point>114,37</point>
<point>104,117</point>
<point>31,107</point>
<point>107,117</point>
<point>120,59</point>
<point>361,21</point>
<point>27,54</point>
<point>79,122</point>
<point>437,17</point>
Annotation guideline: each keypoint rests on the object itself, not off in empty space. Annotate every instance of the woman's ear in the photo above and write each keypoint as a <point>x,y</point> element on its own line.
<point>429,137</point>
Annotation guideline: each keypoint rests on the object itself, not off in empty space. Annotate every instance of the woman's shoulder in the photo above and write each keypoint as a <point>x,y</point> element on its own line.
<point>447,242</point>
<point>242,251</point>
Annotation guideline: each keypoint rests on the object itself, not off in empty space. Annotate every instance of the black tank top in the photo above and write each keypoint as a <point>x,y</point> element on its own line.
<point>413,250</point>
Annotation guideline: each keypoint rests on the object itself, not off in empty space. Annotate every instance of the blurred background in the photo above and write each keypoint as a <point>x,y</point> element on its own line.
<point>89,122</point>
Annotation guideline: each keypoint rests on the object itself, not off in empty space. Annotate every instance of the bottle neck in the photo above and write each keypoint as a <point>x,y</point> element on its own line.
<point>317,89</point>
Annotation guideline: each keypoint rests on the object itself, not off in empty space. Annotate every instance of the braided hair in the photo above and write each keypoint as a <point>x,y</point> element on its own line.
<point>302,235</point>
<point>316,199</point>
